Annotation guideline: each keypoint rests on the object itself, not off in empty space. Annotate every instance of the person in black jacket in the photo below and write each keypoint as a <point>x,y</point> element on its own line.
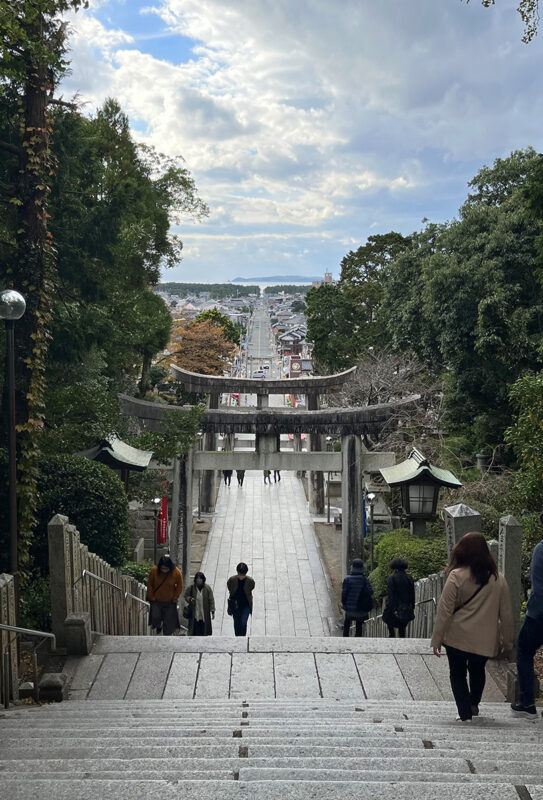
<point>356,598</point>
<point>400,604</point>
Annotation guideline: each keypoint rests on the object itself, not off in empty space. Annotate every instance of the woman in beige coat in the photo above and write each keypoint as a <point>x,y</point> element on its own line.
<point>474,620</point>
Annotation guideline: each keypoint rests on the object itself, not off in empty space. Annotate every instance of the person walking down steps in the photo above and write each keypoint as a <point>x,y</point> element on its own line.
<point>530,639</point>
<point>356,598</point>
<point>227,475</point>
<point>164,585</point>
<point>267,476</point>
<point>400,605</point>
<point>240,475</point>
<point>199,607</point>
<point>240,598</point>
<point>474,620</point>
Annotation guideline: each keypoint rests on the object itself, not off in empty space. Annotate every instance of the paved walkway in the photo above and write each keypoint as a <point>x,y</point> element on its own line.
<point>269,528</point>
<point>177,667</point>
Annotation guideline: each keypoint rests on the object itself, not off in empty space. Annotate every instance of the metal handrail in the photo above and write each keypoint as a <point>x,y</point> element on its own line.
<point>5,657</point>
<point>133,596</point>
<point>30,632</point>
<point>96,577</point>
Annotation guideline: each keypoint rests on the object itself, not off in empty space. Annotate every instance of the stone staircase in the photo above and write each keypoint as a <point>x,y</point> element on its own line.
<point>296,749</point>
<point>266,717</point>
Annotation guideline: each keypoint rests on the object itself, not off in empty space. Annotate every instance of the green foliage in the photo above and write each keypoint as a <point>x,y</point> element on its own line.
<point>424,556</point>
<point>138,569</point>
<point>333,327</point>
<point>178,433</point>
<point>287,289</point>
<point>467,298</point>
<point>529,14</point>
<point>35,606</point>
<point>213,315</point>
<point>298,305</point>
<point>526,438</point>
<point>218,291</point>
<point>92,497</point>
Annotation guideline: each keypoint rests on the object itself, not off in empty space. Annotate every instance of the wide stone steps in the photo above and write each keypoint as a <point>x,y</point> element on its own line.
<point>294,749</point>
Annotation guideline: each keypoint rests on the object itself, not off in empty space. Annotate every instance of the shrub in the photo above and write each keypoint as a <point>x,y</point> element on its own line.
<point>35,607</point>
<point>138,569</point>
<point>425,556</point>
<point>92,497</point>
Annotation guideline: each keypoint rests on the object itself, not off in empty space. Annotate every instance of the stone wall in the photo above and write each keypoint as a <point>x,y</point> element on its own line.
<point>86,590</point>
<point>8,653</point>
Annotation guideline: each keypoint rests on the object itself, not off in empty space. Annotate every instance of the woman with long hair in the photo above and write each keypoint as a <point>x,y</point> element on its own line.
<point>474,620</point>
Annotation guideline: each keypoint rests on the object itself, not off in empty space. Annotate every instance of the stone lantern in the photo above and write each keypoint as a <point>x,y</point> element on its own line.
<point>419,483</point>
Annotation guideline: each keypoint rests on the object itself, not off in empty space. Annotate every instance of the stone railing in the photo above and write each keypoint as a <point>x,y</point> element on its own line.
<point>8,656</point>
<point>427,593</point>
<point>88,594</point>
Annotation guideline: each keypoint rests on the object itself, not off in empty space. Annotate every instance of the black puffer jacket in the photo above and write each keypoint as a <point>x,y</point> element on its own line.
<point>353,587</point>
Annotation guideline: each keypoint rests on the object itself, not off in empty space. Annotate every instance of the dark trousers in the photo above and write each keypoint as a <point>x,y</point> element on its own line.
<point>347,625</point>
<point>530,639</point>
<point>460,665</point>
<point>241,617</point>
<point>199,628</point>
<point>163,617</point>
<point>392,631</point>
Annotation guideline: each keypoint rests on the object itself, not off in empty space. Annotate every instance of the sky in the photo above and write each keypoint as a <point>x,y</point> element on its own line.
<point>310,125</point>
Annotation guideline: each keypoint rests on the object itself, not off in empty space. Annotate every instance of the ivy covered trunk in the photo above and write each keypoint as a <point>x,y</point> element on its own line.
<point>34,278</point>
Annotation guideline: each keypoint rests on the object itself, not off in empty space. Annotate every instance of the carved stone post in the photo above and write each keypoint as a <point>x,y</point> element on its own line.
<point>297,448</point>
<point>459,519</point>
<point>509,562</point>
<point>315,480</point>
<point>351,492</point>
<point>60,575</point>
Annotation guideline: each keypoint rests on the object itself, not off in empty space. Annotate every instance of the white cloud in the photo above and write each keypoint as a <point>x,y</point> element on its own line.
<point>344,119</point>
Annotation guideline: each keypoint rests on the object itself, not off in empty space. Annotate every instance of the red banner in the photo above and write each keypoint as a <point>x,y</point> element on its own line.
<point>162,522</point>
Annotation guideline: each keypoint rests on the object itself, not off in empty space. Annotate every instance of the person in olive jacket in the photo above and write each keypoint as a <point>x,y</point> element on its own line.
<point>240,598</point>
<point>164,585</point>
<point>199,597</point>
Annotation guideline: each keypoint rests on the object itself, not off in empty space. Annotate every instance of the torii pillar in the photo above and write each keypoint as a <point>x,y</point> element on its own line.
<point>208,491</point>
<point>315,480</point>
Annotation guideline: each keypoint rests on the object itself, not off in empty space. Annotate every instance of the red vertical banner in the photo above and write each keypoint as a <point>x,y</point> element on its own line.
<point>162,522</point>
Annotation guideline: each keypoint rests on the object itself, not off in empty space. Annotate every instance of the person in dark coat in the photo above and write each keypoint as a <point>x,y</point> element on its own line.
<point>240,598</point>
<point>400,602</point>
<point>199,597</point>
<point>227,474</point>
<point>356,598</point>
<point>164,585</point>
<point>240,475</point>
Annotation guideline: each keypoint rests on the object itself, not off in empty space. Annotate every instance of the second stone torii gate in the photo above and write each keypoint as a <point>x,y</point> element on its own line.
<point>312,387</point>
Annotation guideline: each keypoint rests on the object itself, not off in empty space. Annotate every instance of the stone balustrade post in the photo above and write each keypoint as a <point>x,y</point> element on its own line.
<point>509,562</point>
<point>459,519</point>
<point>60,575</point>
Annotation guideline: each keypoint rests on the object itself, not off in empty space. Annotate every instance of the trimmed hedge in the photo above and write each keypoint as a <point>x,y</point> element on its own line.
<point>92,497</point>
<point>424,556</point>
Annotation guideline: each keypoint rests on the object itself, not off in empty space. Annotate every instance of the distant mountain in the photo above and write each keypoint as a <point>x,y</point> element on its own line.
<point>278,279</point>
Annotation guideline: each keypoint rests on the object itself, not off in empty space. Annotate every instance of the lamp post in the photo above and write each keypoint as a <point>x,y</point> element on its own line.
<point>156,503</point>
<point>371,501</point>
<point>328,445</point>
<point>12,308</point>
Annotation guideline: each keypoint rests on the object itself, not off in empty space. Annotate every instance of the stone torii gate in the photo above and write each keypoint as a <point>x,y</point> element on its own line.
<point>267,424</point>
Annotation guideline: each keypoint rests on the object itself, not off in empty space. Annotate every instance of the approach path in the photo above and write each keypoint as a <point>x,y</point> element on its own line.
<point>269,527</point>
